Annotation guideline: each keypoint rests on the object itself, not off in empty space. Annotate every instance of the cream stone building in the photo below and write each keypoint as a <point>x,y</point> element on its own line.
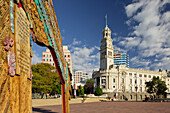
<point>121,80</point>
<point>47,57</point>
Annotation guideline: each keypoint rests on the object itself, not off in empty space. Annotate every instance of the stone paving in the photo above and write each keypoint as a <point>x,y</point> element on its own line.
<point>58,101</point>
<point>109,107</point>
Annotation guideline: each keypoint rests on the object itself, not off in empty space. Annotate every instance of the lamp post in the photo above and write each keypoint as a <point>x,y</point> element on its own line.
<point>136,92</point>
<point>136,89</point>
<point>118,72</point>
<point>118,76</point>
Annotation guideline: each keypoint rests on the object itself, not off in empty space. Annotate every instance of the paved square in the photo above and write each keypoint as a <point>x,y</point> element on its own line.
<point>109,107</point>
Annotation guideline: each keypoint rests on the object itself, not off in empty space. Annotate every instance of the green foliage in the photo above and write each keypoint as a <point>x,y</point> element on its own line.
<point>80,91</point>
<point>98,91</point>
<point>44,80</point>
<point>156,86</point>
<point>87,89</point>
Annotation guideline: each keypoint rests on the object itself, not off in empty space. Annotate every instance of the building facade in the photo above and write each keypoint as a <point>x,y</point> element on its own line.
<point>47,57</point>
<point>121,80</point>
<point>79,77</point>
<point>67,55</point>
<point>121,58</point>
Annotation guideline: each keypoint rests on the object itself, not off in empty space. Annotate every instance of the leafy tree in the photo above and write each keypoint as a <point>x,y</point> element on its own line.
<point>89,86</point>
<point>45,80</point>
<point>98,91</point>
<point>156,86</point>
<point>80,91</point>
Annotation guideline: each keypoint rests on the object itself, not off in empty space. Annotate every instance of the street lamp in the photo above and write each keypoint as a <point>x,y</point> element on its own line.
<point>136,89</point>
<point>118,76</point>
<point>136,92</point>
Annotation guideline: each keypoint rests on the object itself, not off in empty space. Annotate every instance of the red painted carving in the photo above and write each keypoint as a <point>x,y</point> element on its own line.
<point>31,75</point>
<point>8,42</point>
<point>11,63</point>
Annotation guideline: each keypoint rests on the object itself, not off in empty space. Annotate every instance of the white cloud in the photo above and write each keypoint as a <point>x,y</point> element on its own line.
<point>36,58</point>
<point>151,31</point>
<point>136,62</point>
<point>84,58</point>
<point>75,42</point>
<point>130,42</point>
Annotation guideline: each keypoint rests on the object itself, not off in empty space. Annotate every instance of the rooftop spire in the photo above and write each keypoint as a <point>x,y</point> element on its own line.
<point>106,28</point>
<point>106,19</point>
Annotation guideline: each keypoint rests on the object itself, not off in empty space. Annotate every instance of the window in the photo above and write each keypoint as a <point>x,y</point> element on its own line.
<point>131,81</point>
<point>47,59</point>
<point>109,53</point>
<point>65,55</point>
<point>135,81</point>
<point>145,75</point>
<point>106,34</point>
<point>149,76</point>
<point>130,74</point>
<point>114,80</point>
<point>47,55</point>
<point>44,59</point>
<point>53,64</point>
<point>140,89</point>
<point>103,81</point>
<point>130,96</point>
<point>68,55</point>
<point>113,86</point>
<point>44,55</point>
<point>140,75</point>
<point>50,59</point>
<point>140,81</point>
<point>122,80</point>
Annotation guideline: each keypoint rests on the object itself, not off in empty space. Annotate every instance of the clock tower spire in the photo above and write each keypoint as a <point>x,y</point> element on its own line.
<point>106,49</point>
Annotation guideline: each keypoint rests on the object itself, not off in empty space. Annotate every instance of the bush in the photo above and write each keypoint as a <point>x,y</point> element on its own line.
<point>98,91</point>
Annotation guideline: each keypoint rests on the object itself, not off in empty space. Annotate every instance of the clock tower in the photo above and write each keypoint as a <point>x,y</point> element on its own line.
<point>106,49</point>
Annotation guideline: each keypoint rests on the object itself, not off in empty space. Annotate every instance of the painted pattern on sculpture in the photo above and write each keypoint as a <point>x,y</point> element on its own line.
<point>8,42</point>
<point>12,15</point>
<point>11,63</point>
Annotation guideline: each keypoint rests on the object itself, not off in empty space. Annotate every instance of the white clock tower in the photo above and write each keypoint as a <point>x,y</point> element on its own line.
<point>106,49</point>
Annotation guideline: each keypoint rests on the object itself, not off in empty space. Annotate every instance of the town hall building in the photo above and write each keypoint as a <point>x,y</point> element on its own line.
<point>120,80</point>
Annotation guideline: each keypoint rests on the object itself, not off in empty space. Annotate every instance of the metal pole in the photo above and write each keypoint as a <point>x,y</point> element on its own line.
<point>136,94</point>
<point>136,89</point>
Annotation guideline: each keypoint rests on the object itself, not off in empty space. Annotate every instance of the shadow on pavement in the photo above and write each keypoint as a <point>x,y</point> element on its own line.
<point>40,110</point>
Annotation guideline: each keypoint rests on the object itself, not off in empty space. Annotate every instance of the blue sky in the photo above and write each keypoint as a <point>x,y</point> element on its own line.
<point>139,27</point>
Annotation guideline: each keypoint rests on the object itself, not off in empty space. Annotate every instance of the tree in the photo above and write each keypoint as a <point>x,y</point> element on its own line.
<point>156,86</point>
<point>80,91</point>
<point>98,91</point>
<point>45,80</point>
<point>89,86</point>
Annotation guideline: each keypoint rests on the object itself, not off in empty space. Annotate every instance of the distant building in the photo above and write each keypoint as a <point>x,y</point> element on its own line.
<point>67,55</point>
<point>79,77</point>
<point>47,57</point>
<point>121,58</point>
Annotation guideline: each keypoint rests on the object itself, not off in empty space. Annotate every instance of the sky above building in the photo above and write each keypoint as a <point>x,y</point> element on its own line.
<point>139,27</point>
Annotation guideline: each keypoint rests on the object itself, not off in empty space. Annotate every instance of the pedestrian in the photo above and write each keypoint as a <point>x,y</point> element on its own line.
<point>46,95</point>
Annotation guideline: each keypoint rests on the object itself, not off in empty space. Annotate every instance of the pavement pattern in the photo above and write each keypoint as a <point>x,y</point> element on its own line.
<point>109,107</point>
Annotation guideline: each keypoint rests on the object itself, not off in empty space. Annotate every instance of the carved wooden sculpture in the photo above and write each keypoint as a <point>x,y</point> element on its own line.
<point>21,22</point>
